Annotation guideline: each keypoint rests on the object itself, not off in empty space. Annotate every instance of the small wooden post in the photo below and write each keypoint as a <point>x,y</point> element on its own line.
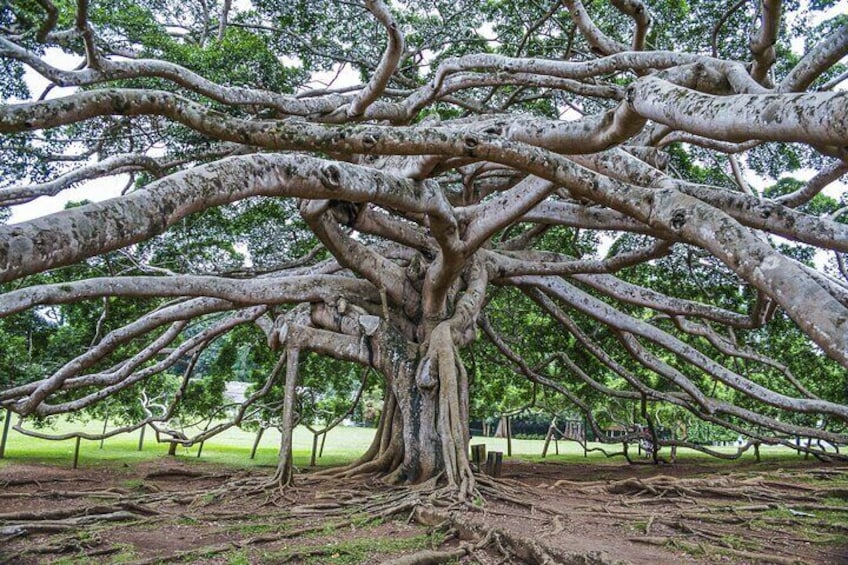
<point>141,438</point>
<point>200,449</point>
<point>76,452</point>
<point>6,423</point>
<point>478,455</point>
<point>256,442</point>
<point>509,436</point>
<point>494,463</point>
<point>757,451</point>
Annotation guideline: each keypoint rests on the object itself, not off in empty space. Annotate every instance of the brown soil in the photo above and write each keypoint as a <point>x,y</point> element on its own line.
<point>173,510</point>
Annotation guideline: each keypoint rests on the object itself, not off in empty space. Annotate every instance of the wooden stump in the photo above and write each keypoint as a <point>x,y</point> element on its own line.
<point>494,463</point>
<point>478,456</point>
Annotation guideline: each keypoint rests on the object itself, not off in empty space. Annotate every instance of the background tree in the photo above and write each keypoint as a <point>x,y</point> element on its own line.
<point>485,160</point>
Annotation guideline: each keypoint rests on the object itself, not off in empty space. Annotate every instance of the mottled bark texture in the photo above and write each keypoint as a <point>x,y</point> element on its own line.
<point>420,200</point>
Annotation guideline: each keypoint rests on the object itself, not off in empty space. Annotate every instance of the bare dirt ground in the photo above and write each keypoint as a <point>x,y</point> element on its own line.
<point>178,510</point>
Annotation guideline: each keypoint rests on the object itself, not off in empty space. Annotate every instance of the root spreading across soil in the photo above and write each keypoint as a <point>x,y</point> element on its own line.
<point>189,512</point>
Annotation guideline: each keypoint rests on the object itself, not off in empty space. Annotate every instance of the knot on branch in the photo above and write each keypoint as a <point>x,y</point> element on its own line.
<point>678,218</point>
<point>471,142</point>
<point>331,177</point>
<point>369,141</point>
<point>630,94</point>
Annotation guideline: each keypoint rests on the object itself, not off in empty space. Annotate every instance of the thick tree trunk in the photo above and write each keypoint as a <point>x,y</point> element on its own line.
<point>423,430</point>
<point>283,475</point>
<point>433,405</point>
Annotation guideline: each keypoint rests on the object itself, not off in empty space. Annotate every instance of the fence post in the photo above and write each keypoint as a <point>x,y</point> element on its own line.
<point>478,456</point>
<point>6,424</point>
<point>494,463</point>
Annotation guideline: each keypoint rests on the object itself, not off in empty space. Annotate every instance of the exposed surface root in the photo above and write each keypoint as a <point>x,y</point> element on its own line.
<point>767,518</point>
<point>431,557</point>
<point>754,488</point>
<point>527,550</point>
<point>711,549</point>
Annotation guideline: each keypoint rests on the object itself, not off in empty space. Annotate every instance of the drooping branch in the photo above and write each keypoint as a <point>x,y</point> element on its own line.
<point>704,407</point>
<point>112,383</point>
<point>143,325</point>
<point>583,302</point>
<point>728,347</point>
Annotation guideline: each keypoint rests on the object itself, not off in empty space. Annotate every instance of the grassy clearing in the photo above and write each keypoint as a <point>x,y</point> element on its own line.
<point>343,444</point>
<point>230,448</point>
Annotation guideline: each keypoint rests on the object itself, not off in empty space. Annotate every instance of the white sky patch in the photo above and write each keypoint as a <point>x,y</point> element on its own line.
<point>58,59</point>
<point>340,76</point>
<point>95,190</point>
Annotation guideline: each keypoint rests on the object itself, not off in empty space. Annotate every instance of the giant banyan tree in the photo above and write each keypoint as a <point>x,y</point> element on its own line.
<point>655,182</point>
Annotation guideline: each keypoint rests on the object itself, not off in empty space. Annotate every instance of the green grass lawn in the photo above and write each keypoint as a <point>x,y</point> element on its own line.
<point>232,448</point>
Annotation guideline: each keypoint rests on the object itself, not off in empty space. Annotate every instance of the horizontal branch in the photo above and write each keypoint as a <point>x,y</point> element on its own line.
<point>817,118</point>
<point>278,290</point>
<point>71,235</point>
